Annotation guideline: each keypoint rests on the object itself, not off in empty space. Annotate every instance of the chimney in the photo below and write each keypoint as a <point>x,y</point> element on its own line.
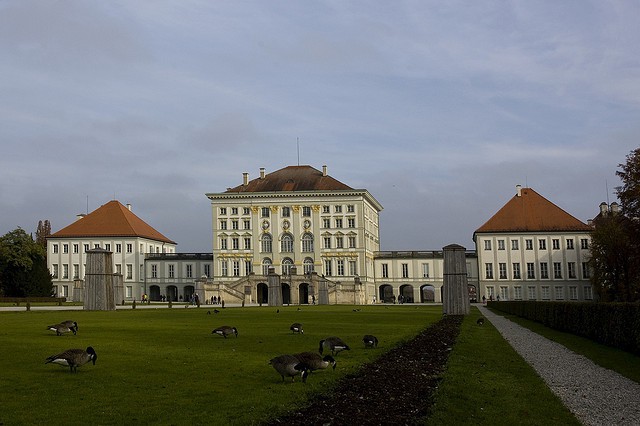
<point>324,170</point>
<point>615,208</point>
<point>80,216</point>
<point>245,179</point>
<point>604,208</point>
<point>261,172</point>
<point>519,190</point>
<point>129,206</point>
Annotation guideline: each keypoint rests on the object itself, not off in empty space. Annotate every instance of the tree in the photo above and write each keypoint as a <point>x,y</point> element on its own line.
<point>23,266</point>
<point>42,233</point>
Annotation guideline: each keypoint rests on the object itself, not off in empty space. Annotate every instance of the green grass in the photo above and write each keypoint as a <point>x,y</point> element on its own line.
<point>624,363</point>
<point>165,367</point>
<point>488,383</point>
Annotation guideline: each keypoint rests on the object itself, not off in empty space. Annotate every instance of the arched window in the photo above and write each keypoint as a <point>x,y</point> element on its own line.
<point>286,244</point>
<point>266,264</point>
<point>308,265</point>
<point>266,243</point>
<point>307,243</point>
<point>286,266</point>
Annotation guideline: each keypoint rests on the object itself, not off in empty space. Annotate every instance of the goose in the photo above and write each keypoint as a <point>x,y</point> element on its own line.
<point>333,344</point>
<point>70,324</point>
<point>61,329</point>
<point>370,341</point>
<point>290,366</point>
<point>74,358</point>
<point>225,330</point>
<point>296,327</point>
<point>480,321</point>
<point>315,361</point>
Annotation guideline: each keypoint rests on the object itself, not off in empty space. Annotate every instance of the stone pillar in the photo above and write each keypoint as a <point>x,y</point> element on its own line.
<point>118,288</point>
<point>275,289</point>
<point>323,292</point>
<point>455,290</point>
<point>78,291</point>
<point>99,292</point>
<point>199,290</point>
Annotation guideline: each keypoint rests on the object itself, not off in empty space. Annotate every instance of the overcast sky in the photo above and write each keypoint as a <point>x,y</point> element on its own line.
<point>437,108</point>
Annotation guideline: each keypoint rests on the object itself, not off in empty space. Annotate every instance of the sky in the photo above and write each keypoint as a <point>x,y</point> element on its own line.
<point>438,109</point>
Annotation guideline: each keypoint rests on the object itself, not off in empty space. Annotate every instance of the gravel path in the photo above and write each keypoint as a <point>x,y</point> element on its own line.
<point>595,395</point>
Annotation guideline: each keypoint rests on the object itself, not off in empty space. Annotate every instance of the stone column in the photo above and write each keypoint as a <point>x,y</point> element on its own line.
<point>99,292</point>
<point>118,289</point>
<point>323,292</point>
<point>455,290</point>
<point>78,291</point>
<point>275,289</point>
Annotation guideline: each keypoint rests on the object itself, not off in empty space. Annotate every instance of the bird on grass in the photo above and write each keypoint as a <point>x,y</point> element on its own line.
<point>225,330</point>
<point>480,321</point>
<point>70,323</point>
<point>74,358</point>
<point>290,366</point>
<point>370,341</point>
<point>333,344</point>
<point>61,329</point>
<point>296,327</point>
<point>315,361</point>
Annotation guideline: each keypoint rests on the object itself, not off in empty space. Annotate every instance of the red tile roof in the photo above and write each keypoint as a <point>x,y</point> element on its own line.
<point>111,220</point>
<point>531,212</point>
<point>292,178</point>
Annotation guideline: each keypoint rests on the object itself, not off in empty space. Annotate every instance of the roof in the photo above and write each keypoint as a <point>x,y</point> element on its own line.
<point>528,211</point>
<point>292,178</point>
<point>111,220</point>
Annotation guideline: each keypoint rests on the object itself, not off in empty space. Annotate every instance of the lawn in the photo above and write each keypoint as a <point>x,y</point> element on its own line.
<point>165,367</point>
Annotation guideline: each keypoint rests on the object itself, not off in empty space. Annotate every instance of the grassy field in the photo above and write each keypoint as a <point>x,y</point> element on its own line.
<point>165,367</point>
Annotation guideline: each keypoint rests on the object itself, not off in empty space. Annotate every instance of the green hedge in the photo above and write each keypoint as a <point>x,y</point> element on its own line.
<point>612,324</point>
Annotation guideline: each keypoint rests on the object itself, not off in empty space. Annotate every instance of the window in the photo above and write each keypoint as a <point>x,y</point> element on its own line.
<point>502,268</point>
<point>542,244</point>
<point>504,292</point>
<point>557,270</point>
<point>338,223</point>
<point>327,268</point>
<point>351,222</point>
<point>514,245</point>
<point>76,248</point>
<point>327,242</point>
<point>531,271</point>
<point>76,271</point>
<point>118,248</point>
<point>54,273</point>
<point>107,247</point>
<point>559,290</point>
<point>172,271</point>
<point>266,264</point>
<point>588,292</point>
<point>235,224</point>
<point>586,272</point>
<point>570,244</point>
<point>246,210</point>
<point>129,271</point>
<point>325,209</point>
<point>265,212</point>
<point>352,241</point>
<point>528,244</point>
<point>338,209</point>
<point>246,224</point>
<point>544,270</point>
<point>306,211</point>
<point>405,270</point>
<point>65,248</point>
<point>353,268</point>
<point>500,244</point>
<point>235,243</point>
<point>339,242</point>
<point>340,267</point>
<point>286,212</point>
<point>207,271</point>
<point>223,224</point>
<point>351,208</point>
<point>129,248</point>
<point>517,292</point>
<point>307,265</point>
<point>224,268</point>
<point>54,247</point>
<point>154,271</point>
<point>234,210</point>
<point>385,270</point>
<point>248,268</point>
<point>326,222</point>
<point>65,271</point>
<point>129,291</point>
<point>573,292</point>
<point>223,210</point>
<point>487,244</point>
<point>571,269</point>
<point>425,270</point>
<point>488,271</point>
<point>532,293</point>
<point>307,243</point>
<point>584,243</point>
<point>247,243</point>
<point>555,244</point>
<point>545,292</point>
<point>223,243</point>
<point>189,271</point>
<point>516,271</point>
<point>286,244</point>
<point>119,268</point>
<point>266,243</point>
<point>236,268</point>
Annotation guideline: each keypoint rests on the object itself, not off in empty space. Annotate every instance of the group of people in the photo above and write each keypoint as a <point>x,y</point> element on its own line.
<point>217,301</point>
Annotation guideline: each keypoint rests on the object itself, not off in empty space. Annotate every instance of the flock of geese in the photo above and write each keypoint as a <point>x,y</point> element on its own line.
<point>72,358</point>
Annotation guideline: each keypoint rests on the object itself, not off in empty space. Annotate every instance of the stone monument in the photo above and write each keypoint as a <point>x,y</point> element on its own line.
<point>455,289</point>
<point>275,288</point>
<point>99,294</point>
